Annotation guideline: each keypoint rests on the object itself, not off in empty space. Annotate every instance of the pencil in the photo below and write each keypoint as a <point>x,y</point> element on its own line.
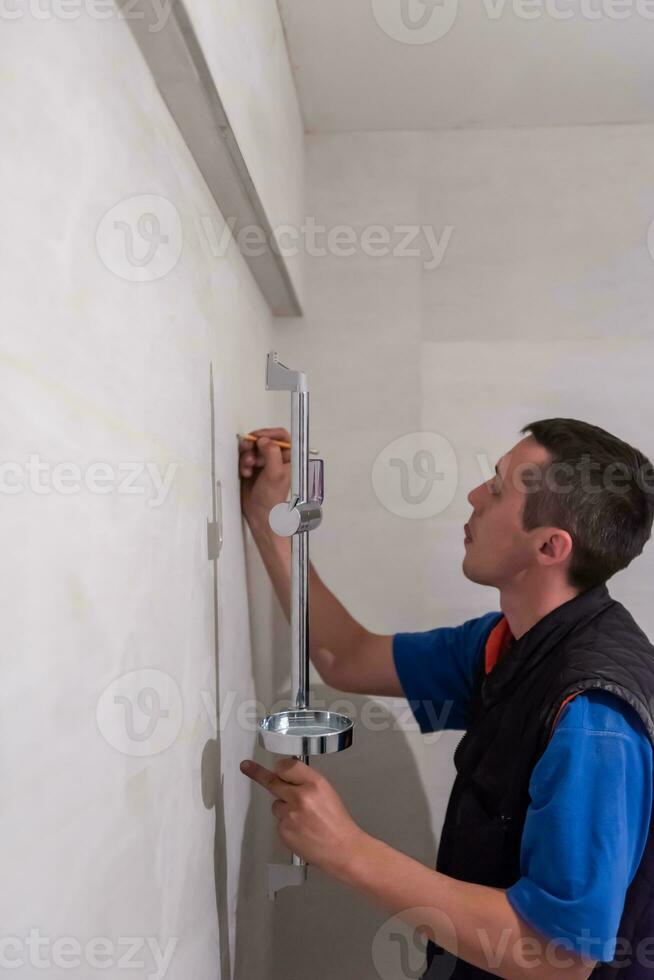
<point>279,442</point>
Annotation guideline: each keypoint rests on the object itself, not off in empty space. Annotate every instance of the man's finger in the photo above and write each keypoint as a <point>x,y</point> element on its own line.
<point>296,772</point>
<point>266,778</point>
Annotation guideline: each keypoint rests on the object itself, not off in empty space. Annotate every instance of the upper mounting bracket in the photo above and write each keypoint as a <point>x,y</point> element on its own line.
<point>281,378</point>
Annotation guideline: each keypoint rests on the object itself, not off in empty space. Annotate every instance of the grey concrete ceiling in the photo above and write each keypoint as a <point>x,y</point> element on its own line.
<point>431,64</point>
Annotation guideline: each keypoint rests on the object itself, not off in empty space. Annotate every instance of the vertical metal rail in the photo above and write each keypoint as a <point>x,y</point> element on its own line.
<point>300,729</point>
<point>300,552</point>
<point>300,562</point>
<point>279,377</point>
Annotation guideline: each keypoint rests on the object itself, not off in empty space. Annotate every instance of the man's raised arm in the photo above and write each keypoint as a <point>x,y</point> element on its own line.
<point>346,655</point>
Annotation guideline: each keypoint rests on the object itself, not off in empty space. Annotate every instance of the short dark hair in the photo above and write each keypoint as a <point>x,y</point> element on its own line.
<point>609,527</point>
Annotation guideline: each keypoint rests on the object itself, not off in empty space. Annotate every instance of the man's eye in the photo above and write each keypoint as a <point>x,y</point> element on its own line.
<point>495,489</point>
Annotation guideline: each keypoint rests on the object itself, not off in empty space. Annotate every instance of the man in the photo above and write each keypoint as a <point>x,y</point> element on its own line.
<point>546,855</point>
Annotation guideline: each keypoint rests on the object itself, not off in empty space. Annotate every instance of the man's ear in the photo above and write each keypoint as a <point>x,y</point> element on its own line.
<point>557,545</point>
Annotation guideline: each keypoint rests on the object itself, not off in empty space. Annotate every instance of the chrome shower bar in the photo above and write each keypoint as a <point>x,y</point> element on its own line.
<point>300,731</point>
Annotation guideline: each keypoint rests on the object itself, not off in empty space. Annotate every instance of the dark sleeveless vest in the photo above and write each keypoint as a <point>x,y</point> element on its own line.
<point>590,642</point>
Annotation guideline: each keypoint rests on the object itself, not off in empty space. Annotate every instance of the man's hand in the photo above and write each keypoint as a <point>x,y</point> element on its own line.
<point>265,471</point>
<point>312,819</point>
<point>475,922</point>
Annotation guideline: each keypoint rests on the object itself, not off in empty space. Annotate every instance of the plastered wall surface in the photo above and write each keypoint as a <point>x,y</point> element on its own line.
<point>122,641</point>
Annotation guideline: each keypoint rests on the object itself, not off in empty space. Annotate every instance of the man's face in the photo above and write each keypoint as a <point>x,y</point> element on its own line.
<point>500,551</point>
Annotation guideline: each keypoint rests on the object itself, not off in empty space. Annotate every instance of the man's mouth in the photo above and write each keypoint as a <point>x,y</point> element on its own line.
<point>468,535</point>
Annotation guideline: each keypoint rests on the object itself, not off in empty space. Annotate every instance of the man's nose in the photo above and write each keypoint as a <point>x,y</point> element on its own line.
<point>473,496</point>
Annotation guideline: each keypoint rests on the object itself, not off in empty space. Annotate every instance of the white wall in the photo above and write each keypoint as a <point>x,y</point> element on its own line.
<point>540,307</point>
<point>96,368</point>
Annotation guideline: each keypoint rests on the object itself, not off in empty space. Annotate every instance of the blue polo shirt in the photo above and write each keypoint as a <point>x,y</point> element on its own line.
<point>590,792</point>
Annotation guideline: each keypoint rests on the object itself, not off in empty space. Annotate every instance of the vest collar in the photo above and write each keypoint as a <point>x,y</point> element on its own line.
<point>538,641</point>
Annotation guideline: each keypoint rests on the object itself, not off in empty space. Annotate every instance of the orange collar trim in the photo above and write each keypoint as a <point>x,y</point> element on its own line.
<point>498,640</point>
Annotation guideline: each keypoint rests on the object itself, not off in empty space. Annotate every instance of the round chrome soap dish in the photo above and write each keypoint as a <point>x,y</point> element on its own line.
<point>305,731</point>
